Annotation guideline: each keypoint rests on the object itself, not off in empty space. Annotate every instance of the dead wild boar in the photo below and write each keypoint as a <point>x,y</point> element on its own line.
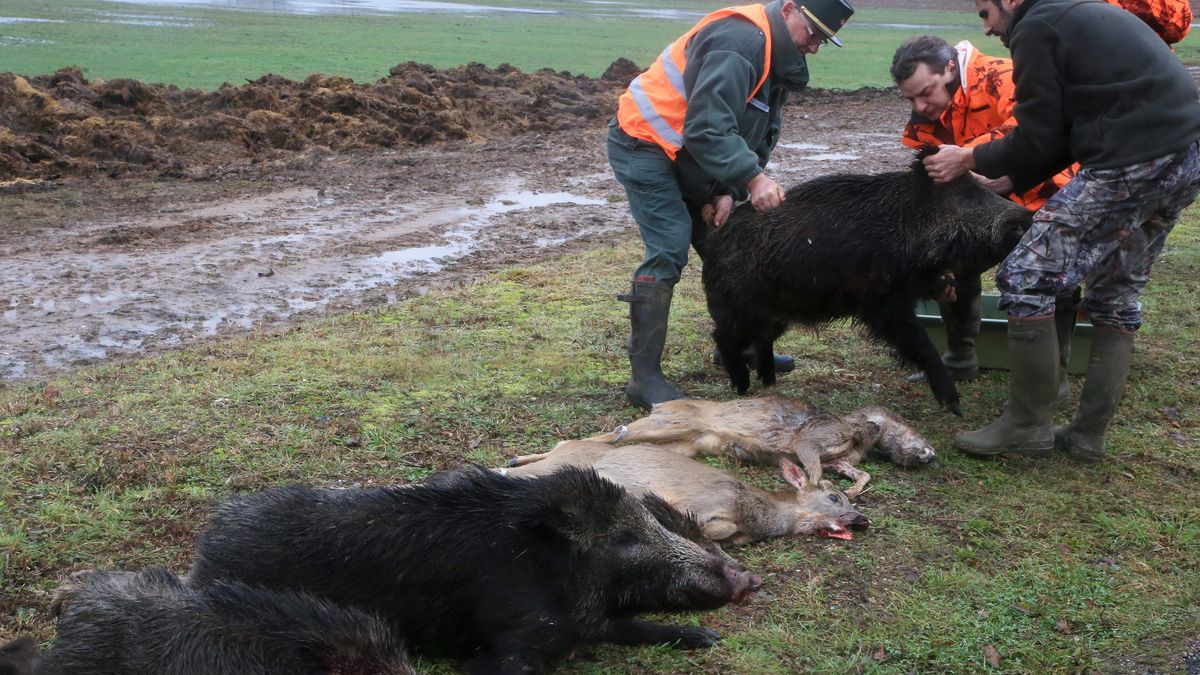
<point>727,509</point>
<point>769,428</point>
<point>149,623</point>
<point>20,656</point>
<point>864,247</point>
<point>507,573</point>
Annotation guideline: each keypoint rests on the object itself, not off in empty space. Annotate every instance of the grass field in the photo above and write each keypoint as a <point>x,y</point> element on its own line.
<point>1039,566</point>
<point>1045,565</point>
<point>196,47</point>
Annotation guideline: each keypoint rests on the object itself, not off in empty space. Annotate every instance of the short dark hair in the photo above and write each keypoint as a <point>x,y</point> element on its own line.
<point>931,50</point>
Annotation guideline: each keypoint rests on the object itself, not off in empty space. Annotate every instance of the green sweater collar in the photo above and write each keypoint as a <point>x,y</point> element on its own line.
<point>788,65</point>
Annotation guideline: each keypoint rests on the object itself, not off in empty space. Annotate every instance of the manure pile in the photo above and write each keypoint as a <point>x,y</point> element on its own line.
<point>62,125</point>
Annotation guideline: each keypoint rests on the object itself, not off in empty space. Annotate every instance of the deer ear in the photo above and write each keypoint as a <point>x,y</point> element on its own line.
<point>793,474</point>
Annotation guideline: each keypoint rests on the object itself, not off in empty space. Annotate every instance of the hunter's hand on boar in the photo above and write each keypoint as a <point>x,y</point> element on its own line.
<point>948,163</point>
<point>1002,186</point>
<point>717,212</point>
<point>949,289</point>
<point>765,194</point>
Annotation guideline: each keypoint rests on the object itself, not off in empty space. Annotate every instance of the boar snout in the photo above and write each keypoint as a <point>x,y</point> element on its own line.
<point>742,582</point>
<point>727,582</point>
<point>695,571</point>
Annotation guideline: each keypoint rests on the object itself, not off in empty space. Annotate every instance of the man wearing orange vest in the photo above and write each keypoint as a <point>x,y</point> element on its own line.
<point>1097,86</point>
<point>693,134</point>
<point>964,97</point>
<point>1171,19</point>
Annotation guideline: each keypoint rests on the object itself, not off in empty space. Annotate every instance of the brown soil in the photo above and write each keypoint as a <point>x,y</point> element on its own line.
<point>61,125</point>
<point>137,217</point>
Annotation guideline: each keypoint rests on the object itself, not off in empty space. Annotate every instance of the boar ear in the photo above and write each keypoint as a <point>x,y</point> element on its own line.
<point>578,505</point>
<point>572,522</point>
<point>671,518</point>
<point>918,166</point>
<point>793,474</point>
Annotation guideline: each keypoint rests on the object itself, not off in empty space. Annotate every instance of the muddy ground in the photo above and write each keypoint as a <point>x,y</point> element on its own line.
<point>142,217</point>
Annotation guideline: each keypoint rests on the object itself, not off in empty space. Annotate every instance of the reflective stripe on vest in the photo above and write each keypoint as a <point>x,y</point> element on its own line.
<point>655,105</point>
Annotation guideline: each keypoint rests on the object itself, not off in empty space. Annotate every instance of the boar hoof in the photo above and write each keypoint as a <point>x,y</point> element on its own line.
<point>696,638</point>
<point>741,383</point>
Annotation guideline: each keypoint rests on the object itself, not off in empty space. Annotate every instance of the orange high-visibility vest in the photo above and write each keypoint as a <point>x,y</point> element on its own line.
<point>1171,19</point>
<point>655,104</point>
<point>980,112</point>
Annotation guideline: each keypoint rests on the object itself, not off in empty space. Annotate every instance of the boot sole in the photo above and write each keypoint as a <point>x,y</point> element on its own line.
<point>1063,442</point>
<point>637,403</point>
<point>1032,447</point>
<point>1020,449</point>
<point>646,405</point>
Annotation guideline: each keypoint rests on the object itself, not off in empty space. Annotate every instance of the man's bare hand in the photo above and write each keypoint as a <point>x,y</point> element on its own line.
<point>717,212</point>
<point>949,162</point>
<point>1002,186</point>
<point>765,194</point>
<point>949,290</point>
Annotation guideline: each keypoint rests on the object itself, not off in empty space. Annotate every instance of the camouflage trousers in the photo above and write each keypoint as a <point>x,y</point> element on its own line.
<point>1104,229</point>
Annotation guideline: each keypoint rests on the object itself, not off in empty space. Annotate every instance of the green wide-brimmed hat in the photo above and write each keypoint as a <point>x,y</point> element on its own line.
<point>827,16</point>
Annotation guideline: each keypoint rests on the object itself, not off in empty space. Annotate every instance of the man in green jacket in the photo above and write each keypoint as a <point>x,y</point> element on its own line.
<point>1095,85</point>
<point>692,135</point>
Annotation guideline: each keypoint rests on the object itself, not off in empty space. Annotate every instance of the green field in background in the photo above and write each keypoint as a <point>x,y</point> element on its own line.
<point>200,47</point>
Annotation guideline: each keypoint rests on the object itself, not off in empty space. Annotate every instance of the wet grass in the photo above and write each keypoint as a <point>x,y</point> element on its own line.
<point>201,47</point>
<point>1039,566</point>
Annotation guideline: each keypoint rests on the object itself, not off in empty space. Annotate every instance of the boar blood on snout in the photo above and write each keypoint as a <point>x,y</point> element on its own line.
<point>865,247</point>
<point>507,573</point>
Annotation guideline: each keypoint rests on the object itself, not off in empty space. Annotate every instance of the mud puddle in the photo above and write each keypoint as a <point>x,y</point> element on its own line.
<point>104,269</point>
<point>286,253</point>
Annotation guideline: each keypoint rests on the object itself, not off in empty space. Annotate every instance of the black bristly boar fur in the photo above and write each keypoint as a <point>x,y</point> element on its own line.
<point>865,247</point>
<point>149,623</point>
<point>19,657</point>
<point>507,573</point>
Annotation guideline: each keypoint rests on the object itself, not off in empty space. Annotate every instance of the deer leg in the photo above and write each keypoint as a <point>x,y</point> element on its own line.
<point>707,444</point>
<point>647,430</point>
<point>527,459</point>
<point>615,436</point>
<point>809,454</point>
<point>854,473</point>
<point>719,528</point>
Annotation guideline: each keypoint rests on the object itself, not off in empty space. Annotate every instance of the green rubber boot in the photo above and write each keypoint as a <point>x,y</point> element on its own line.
<point>1065,314</point>
<point>1107,373</point>
<point>649,307</point>
<point>1024,427</point>
<point>961,322</point>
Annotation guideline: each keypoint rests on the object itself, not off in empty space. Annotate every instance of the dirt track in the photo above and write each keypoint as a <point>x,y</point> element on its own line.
<point>192,243</point>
